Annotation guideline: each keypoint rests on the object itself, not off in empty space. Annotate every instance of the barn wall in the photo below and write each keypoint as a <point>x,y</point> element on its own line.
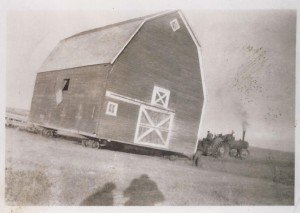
<point>121,127</point>
<point>80,107</point>
<point>158,56</point>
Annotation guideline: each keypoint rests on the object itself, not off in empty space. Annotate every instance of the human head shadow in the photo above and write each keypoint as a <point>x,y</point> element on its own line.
<point>143,192</point>
<point>103,197</point>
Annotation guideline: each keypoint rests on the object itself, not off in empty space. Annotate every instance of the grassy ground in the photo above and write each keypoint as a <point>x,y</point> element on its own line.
<point>266,164</point>
<point>55,171</point>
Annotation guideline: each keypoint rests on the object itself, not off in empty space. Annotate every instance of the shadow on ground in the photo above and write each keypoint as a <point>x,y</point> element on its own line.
<point>142,191</point>
<point>103,197</point>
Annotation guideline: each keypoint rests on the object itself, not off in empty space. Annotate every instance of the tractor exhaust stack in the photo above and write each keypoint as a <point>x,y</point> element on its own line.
<point>244,133</point>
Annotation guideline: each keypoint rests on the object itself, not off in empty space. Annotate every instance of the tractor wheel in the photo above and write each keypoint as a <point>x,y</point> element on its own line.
<point>96,145</point>
<point>201,145</point>
<point>208,149</point>
<point>244,153</point>
<point>233,153</point>
<point>220,150</point>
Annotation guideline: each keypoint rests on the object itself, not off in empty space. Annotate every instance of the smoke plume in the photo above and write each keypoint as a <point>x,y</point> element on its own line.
<point>242,115</point>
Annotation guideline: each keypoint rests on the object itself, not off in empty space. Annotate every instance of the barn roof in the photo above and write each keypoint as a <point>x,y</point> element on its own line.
<point>97,46</point>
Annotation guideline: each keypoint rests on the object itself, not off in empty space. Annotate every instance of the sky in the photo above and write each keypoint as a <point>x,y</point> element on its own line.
<point>248,64</point>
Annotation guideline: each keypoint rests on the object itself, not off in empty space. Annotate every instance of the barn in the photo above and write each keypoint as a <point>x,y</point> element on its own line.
<point>136,82</point>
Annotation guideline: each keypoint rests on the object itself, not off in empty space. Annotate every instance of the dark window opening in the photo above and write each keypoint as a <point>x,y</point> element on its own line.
<point>66,84</point>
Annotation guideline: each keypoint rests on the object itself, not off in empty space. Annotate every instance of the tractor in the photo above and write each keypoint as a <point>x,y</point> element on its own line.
<point>222,146</point>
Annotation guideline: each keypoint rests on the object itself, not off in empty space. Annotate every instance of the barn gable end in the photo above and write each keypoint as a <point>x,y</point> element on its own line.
<point>157,56</point>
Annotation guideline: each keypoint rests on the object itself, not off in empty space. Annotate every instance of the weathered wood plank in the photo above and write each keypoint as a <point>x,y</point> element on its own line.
<point>81,104</point>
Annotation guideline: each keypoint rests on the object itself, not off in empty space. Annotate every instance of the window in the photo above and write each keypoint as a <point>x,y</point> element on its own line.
<point>111,108</point>
<point>160,96</point>
<point>175,25</point>
<point>66,84</point>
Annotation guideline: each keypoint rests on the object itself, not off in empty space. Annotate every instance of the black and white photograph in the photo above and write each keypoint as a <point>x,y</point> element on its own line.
<point>150,107</point>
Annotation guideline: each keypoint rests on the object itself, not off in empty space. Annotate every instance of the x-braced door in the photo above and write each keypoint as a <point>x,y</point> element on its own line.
<point>154,126</point>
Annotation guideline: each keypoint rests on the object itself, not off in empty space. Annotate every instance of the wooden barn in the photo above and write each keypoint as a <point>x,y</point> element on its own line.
<point>136,82</point>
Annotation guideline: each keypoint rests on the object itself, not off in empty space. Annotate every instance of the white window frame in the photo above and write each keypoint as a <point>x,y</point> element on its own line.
<point>175,25</point>
<point>156,97</point>
<point>115,105</point>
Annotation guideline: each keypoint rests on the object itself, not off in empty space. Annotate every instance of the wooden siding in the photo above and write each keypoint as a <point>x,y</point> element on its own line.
<point>158,56</point>
<point>80,107</point>
<point>121,127</point>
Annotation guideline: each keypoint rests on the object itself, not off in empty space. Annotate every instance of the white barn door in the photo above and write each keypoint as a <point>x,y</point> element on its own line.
<point>153,126</point>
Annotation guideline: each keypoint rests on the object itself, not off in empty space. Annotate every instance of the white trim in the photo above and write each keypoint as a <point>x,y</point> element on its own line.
<point>115,108</point>
<point>137,126</point>
<point>204,96</point>
<point>154,127</point>
<point>199,50</point>
<point>135,101</point>
<point>123,98</point>
<point>166,141</point>
<point>155,94</point>
<point>175,24</point>
<point>138,28</point>
<point>127,42</point>
<point>188,28</point>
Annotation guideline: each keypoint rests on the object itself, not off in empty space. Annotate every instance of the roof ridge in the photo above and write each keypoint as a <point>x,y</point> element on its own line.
<point>154,15</point>
<point>72,52</point>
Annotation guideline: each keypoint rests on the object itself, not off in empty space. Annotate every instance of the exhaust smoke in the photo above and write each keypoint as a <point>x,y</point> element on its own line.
<point>244,133</point>
<point>242,116</point>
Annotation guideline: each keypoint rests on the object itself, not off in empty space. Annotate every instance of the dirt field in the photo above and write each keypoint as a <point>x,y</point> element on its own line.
<point>56,171</point>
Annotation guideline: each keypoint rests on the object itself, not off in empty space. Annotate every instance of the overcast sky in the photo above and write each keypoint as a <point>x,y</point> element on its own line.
<point>248,60</point>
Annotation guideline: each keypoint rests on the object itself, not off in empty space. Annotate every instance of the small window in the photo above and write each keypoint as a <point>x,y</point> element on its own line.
<point>175,25</point>
<point>66,84</point>
<point>111,108</point>
<point>160,96</point>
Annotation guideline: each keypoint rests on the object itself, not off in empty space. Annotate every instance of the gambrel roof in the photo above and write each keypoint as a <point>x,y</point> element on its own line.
<point>97,46</point>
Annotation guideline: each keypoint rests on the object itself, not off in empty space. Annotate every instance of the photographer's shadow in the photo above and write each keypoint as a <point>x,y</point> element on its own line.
<point>103,197</point>
<point>143,192</point>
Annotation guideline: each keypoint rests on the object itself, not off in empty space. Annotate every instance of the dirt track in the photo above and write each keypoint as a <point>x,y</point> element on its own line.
<point>54,171</point>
